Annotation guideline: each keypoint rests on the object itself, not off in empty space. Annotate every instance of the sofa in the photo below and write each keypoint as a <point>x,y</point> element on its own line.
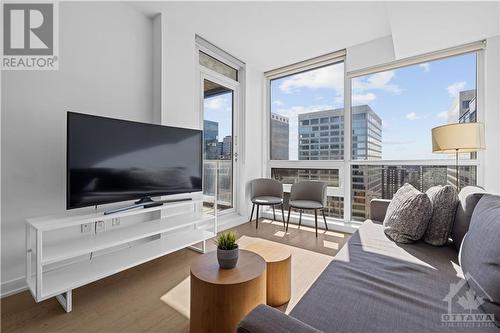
<point>377,285</point>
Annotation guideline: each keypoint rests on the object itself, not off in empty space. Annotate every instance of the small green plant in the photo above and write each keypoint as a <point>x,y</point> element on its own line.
<point>226,241</point>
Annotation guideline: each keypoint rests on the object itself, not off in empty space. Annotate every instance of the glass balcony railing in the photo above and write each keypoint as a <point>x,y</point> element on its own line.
<point>218,182</point>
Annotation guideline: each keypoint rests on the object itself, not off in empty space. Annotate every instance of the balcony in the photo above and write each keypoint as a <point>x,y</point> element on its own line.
<point>218,182</point>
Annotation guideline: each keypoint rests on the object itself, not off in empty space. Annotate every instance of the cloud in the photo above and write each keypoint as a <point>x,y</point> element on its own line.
<point>425,66</point>
<point>414,116</point>
<point>451,114</point>
<point>278,102</point>
<point>397,142</point>
<point>329,77</point>
<point>455,88</point>
<point>377,81</point>
<point>358,99</point>
<point>214,103</point>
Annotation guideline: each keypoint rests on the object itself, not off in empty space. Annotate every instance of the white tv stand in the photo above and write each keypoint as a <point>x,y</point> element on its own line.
<point>55,268</point>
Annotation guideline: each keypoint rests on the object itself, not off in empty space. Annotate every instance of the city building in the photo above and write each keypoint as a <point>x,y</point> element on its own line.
<point>321,137</point>
<point>210,136</point>
<point>464,107</point>
<point>321,134</point>
<point>280,131</point>
<point>227,144</point>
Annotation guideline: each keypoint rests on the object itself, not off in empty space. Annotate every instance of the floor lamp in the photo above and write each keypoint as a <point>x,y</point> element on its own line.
<point>458,138</point>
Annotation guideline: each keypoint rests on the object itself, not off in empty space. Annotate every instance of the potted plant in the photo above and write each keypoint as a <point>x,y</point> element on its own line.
<point>227,250</point>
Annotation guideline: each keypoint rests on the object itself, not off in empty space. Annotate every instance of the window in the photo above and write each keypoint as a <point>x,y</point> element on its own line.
<point>218,66</point>
<point>392,115</point>
<point>393,111</point>
<point>335,204</point>
<point>307,103</point>
<point>382,181</point>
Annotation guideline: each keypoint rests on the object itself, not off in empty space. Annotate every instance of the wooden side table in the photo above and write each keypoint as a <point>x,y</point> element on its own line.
<point>279,268</point>
<point>220,298</point>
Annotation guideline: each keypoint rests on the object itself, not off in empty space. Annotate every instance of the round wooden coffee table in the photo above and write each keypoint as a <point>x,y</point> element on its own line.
<point>279,268</point>
<point>220,298</point>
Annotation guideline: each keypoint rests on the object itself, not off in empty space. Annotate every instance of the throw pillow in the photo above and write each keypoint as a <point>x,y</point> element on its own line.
<point>467,201</point>
<point>444,204</point>
<point>480,254</point>
<point>408,215</point>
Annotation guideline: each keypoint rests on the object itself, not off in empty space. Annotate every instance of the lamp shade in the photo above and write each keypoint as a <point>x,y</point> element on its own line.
<point>461,137</point>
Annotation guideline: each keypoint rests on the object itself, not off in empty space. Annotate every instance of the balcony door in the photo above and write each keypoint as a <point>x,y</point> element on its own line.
<point>220,145</point>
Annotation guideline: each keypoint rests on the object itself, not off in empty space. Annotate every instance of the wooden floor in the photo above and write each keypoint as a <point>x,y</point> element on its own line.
<point>154,297</point>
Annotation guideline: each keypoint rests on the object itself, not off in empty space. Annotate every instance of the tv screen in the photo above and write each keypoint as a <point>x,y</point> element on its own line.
<point>111,160</point>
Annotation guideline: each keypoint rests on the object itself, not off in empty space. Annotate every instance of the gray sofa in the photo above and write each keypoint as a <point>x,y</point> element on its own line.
<point>376,285</point>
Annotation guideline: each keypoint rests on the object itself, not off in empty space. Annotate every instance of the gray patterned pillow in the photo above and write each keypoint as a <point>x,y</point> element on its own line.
<point>408,215</point>
<point>444,204</point>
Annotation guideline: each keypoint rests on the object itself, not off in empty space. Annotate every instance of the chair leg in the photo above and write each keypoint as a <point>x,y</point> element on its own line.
<point>288,219</point>
<point>257,218</point>
<point>283,215</point>
<point>274,214</point>
<point>251,214</point>
<point>324,219</point>
<point>300,217</point>
<point>316,221</point>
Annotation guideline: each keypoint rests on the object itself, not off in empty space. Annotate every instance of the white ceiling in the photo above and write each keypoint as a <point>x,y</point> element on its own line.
<point>274,34</point>
<point>269,35</point>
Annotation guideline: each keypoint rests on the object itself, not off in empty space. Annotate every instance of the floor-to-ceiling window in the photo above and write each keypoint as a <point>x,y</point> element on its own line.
<point>368,145</point>
<point>392,114</point>
<point>307,128</point>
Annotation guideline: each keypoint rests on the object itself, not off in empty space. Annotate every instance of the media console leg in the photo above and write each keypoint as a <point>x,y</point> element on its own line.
<point>198,249</point>
<point>65,300</point>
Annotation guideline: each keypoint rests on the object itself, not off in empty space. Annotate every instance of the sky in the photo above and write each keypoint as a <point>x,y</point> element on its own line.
<point>220,109</point>
<point>409,100</point>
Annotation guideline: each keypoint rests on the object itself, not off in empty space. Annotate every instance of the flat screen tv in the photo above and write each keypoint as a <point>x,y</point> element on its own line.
<point>111,160</point>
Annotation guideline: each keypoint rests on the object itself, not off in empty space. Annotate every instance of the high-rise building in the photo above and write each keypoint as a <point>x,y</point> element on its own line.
<point>227,147</point>
<point>464,108</point>
<point>321,134</point>
<point>211,136</point>
<point>393,177</point>
<point>280,132</point>
<point>467,106</point>
<point>321,137</point>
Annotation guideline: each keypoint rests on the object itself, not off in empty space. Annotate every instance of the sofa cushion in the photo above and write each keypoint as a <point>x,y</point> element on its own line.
<point>375,285</point>
<point>467,201</point>
<point>480,253</point>
<point>408,215</point>
<point>265,319</point>
<point>444,204</point>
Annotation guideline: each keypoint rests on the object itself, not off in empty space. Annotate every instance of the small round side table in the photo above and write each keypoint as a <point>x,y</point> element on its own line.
<point>279,270</point>
<point>220,298</point>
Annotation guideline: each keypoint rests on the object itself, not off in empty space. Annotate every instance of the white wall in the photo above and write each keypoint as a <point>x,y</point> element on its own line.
<point>105,69</point>
<point>421,27</point>
<point>183,88</point>
<point>492,115</point>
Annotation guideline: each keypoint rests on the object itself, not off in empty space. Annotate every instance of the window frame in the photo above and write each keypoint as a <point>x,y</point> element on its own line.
<point>345,166</point>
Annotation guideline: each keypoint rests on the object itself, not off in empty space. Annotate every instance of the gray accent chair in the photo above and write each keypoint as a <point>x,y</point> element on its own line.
<point>308,195</point>
<point>266,192</point>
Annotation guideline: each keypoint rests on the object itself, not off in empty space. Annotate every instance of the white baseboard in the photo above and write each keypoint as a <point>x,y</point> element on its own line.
<point>13,287</point>
<point>230,221</point>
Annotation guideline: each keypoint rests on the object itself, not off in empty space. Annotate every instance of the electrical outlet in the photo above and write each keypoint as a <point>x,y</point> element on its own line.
<point>86,228</point>
<point>115,221</point>
<point>100,226</point>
